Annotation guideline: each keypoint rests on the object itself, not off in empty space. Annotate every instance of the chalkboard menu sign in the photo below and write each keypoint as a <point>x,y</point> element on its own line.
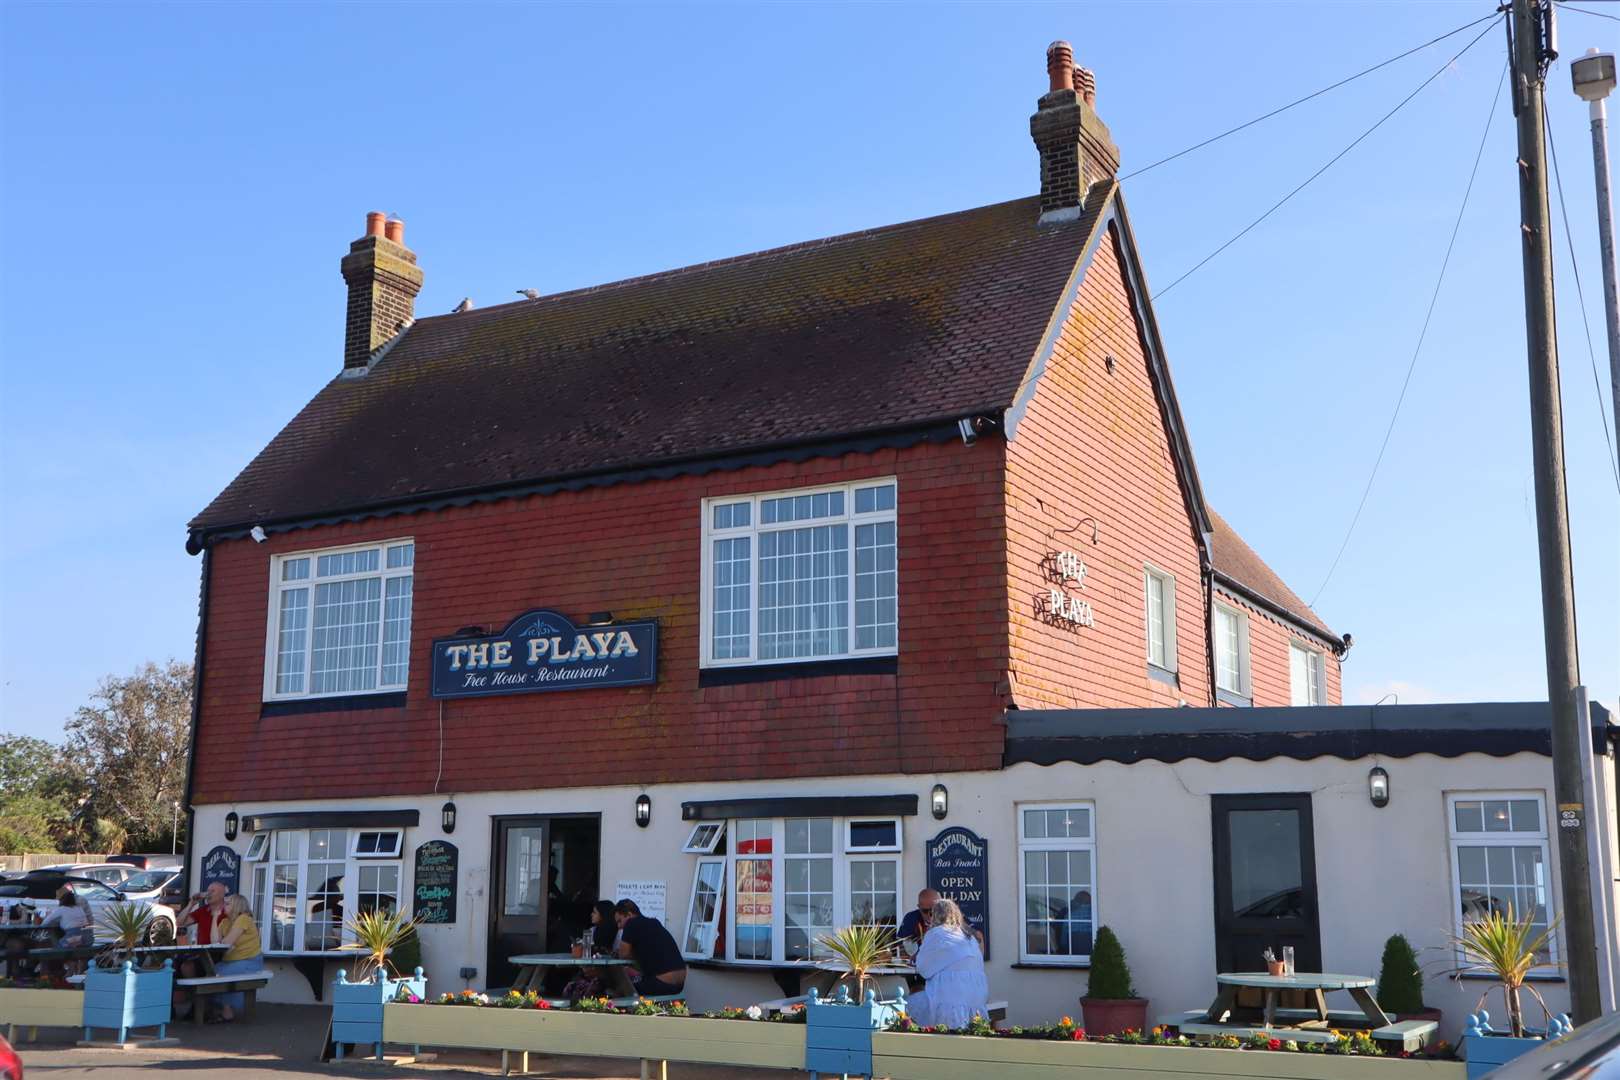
<point>221,864</point>
<point>434,896</point>
<point>959,870</point>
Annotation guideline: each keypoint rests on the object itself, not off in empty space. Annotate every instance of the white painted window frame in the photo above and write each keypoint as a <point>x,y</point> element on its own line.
<point>852,848</point>
<point>1541,837</point>
<point>258,848</point>
<point>1167,582</point>
<point>264,875</point>
<point>1244,680</point>
<point>1317,666</point>
<point>1026,844</point>
<point>753,529</point>
<point>396,853</point>
<point>697,845</point>
<point>273,616</point>
<point>708,928</point>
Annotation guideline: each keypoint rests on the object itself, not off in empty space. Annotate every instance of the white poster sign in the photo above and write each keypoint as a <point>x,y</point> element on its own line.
<point>650,897</point>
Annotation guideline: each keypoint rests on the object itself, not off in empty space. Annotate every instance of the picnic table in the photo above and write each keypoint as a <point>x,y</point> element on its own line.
<point>158,953</point>
<point>534,967</point>
<point>1311,986</point>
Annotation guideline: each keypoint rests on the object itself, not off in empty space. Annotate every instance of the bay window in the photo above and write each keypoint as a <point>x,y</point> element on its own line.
<point>340,621</point>
<point>304,882</point>
<point>802,575</point>
<point>765,890</point>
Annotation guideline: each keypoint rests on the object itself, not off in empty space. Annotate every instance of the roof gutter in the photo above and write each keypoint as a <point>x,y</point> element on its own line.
<point>1323,633</point>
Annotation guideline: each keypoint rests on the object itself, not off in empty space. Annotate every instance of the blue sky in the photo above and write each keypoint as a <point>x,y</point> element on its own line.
<point>180,181</point>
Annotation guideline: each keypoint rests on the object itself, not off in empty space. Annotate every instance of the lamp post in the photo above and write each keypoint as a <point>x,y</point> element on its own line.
<point>1593,76</point>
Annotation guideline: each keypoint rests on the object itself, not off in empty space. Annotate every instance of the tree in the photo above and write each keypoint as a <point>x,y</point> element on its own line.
<point>130,745</point>
<point>39,792</point>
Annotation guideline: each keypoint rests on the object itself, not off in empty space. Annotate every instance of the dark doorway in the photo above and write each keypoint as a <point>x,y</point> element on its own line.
<point>544,878</point>
<point>1265,881</point>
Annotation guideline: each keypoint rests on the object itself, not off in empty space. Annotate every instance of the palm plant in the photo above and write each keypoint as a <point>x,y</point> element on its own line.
<point>375,934</point>
<point>1505,948</point>
<point>860,948</point>
<point>128,925</point>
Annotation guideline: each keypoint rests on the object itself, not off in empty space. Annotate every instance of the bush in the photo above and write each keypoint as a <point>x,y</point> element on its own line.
<point>1400,983</point>
<point>407,956</point>
<point>1110,973</point>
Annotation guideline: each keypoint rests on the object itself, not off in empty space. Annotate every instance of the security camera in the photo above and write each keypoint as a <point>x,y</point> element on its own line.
<point>965,426</point>
<point>258,534</point>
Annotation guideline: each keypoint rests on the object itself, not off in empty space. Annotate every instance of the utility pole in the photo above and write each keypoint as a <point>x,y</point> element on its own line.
<point>1532,45</point>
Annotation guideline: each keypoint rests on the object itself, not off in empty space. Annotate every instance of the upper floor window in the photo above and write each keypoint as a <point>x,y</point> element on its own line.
<point>1232,652</point>
<point>1160,590</point>
<point>1305,675</point>
<point>801,575</point>
<point>340,621</point>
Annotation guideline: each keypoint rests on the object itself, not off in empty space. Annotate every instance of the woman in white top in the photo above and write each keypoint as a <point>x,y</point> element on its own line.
<point>72,918</point>
<point>952,961</point>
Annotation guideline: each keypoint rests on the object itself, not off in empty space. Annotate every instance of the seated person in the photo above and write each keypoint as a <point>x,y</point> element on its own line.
<point>915,924</point>
<point>952,960</point>
<point>600,941</point>
<point>244,957</point>
<point>73,919</point>
<point>644,940</point>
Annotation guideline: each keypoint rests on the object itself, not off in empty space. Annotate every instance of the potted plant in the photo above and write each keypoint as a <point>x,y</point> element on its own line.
<point>1505,948</point>
<point>1400,983</point>
<point>117,994</point>
<point>357,1004</point>
<point>1110,1005</point>
<point>838,1035</point>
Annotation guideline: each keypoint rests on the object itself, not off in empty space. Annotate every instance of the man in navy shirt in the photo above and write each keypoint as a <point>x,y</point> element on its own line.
<point>916,922</point>
<point>644,940</point>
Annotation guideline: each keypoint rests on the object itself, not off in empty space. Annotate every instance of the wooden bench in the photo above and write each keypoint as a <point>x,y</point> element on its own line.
<point>1412,1035</point>
<point>248,984</point>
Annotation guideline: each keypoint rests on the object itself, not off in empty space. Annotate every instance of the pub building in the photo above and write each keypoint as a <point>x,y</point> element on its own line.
<point>770,590</point>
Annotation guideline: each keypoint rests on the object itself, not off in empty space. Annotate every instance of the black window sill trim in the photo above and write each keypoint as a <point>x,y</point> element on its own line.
<point>809,669</point>
<point>1532,977</point>
<point>394,699</point>
<point>1021,966</point>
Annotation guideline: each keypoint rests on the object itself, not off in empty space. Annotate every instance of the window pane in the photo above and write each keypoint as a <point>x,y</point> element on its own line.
<point>288,845</point>
<point>872,892</point>
<point>1266,862</point>
<point>1035,824</point>
<point>875,586</point>
<point>804,592</point>
<point>1228,667</point>
<point>872,834</point>
<point>732,603</point>
<point>809,912</point>
<point>346,562</point>
<point>796,836</point>
<point>1470,817</point>
<point>401,555</point>
<point>702,919</point>
<point>755,911</point>
<point>284,906</point>
<point>1496,816</point>
<point>348,616</point>
<point>323,904</point>
<point>1471,865</point>
<point>525,871</point>
<point>1155,620</point>
<point>295,570</point>
<point>1526,815</point>
<point>292,628</point>
<point>754,836</point>
<point>396,652</point>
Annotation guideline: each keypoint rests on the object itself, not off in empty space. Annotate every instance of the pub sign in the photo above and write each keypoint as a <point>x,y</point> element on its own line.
<point>224,865</point>
<point>959,870</point>
<point>543,650</point>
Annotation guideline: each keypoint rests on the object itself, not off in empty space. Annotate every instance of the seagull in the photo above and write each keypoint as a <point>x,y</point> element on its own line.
<point>532,294</point>
<point>465,305</point>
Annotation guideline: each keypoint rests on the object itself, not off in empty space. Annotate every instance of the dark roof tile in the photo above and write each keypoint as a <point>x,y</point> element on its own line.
<point>1236,561</point>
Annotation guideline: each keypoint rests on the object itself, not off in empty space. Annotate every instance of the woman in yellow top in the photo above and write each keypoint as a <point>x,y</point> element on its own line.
<point>237,930</point>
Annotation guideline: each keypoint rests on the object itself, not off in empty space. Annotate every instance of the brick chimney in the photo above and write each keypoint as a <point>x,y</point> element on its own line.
<point>1076,149</point>
<point>383,282</point>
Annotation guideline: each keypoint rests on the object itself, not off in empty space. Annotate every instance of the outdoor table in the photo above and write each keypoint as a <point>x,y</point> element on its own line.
<point>533,968</point>
<point>203,953</point>
<point>1316,985</point>
<point>827,974</point>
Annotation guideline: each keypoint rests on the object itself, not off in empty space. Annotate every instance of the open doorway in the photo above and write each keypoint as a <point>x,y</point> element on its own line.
<point>546,875</point>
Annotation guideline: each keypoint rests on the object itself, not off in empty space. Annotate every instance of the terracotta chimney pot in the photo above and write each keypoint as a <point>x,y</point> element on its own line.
<point>394,229</point>
<point>374,223</point>
<point>1060,65</point>
<point>1085,84</point>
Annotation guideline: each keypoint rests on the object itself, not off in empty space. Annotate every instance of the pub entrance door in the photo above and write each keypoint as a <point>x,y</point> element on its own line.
<point>1265,881</point>
<point>545,877</point>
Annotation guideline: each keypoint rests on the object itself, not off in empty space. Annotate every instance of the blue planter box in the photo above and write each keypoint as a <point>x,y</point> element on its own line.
<point>1484,1048</point>
<point>357,1008</point>
<point>838,1033</point>
<point>125,998</point>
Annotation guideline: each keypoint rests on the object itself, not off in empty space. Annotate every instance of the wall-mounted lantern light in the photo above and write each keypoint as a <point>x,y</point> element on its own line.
<point>1378,786</point>
<point>231,824</point>
<point>447,817</point>
<point>939,801</point>
<point>643,810</point>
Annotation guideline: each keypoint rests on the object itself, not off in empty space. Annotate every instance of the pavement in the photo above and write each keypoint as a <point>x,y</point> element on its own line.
<point>282,1042</point>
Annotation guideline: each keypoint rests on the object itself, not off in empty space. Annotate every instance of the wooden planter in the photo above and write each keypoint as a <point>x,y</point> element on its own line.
<point>26,1007</point>
<point>357,1008</point>
<point>126,998</point>
<point>838,1035</point>
<point>759,1044</point>
<point>1485,1048</point>
<point>966,1057</point>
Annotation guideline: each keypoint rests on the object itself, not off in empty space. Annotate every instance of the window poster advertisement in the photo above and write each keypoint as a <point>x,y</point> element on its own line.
<point>754,911</point>
<point>650,897</point>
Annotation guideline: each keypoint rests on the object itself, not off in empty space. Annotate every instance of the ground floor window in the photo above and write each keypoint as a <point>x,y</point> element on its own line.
<point>767,889</point>
<point>1057,877</point>
<point>305,881</point>
<point>1500,861</point>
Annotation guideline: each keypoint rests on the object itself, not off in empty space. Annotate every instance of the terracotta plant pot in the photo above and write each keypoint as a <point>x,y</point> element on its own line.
<point>1276,967</point>
<point>578,950</point>
<point>1114,1017</point>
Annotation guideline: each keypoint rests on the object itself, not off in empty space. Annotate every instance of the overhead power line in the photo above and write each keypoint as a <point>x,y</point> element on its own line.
<point>1308,97</point>
<point>1580,293</point>
<point>1423,334</point>
<point>1584,11</point>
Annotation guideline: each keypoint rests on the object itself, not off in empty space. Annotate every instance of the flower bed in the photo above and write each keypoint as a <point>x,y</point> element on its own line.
<point>595,1028</point>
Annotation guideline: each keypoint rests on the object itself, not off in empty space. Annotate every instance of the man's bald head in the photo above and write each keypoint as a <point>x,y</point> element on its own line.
<point>927,899</point>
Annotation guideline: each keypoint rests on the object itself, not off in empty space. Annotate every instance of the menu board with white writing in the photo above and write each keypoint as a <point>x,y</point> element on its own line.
<point>433,895</point>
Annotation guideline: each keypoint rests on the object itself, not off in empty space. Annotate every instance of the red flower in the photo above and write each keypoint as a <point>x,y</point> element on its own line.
<point>1274,1044</point>
<point>1079,1034</point>
<point>542,1003</point>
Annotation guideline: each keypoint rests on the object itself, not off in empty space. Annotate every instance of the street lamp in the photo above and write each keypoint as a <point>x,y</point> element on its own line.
<point>1593,76</point>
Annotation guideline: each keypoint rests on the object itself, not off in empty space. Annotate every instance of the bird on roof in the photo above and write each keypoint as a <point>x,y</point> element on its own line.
<point>465,305</point>
<point>532,294</point>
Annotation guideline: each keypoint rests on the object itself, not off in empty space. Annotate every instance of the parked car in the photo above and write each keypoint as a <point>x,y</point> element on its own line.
<point>111,875</point>
<point>1591,1053</point>
<point>35,894</point>
<point>10,1063</point>
<point>160,886</point>
<point>149,862</point>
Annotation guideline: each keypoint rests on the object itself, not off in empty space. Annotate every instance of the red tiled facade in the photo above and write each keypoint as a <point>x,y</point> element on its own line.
<point>973,525</point>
